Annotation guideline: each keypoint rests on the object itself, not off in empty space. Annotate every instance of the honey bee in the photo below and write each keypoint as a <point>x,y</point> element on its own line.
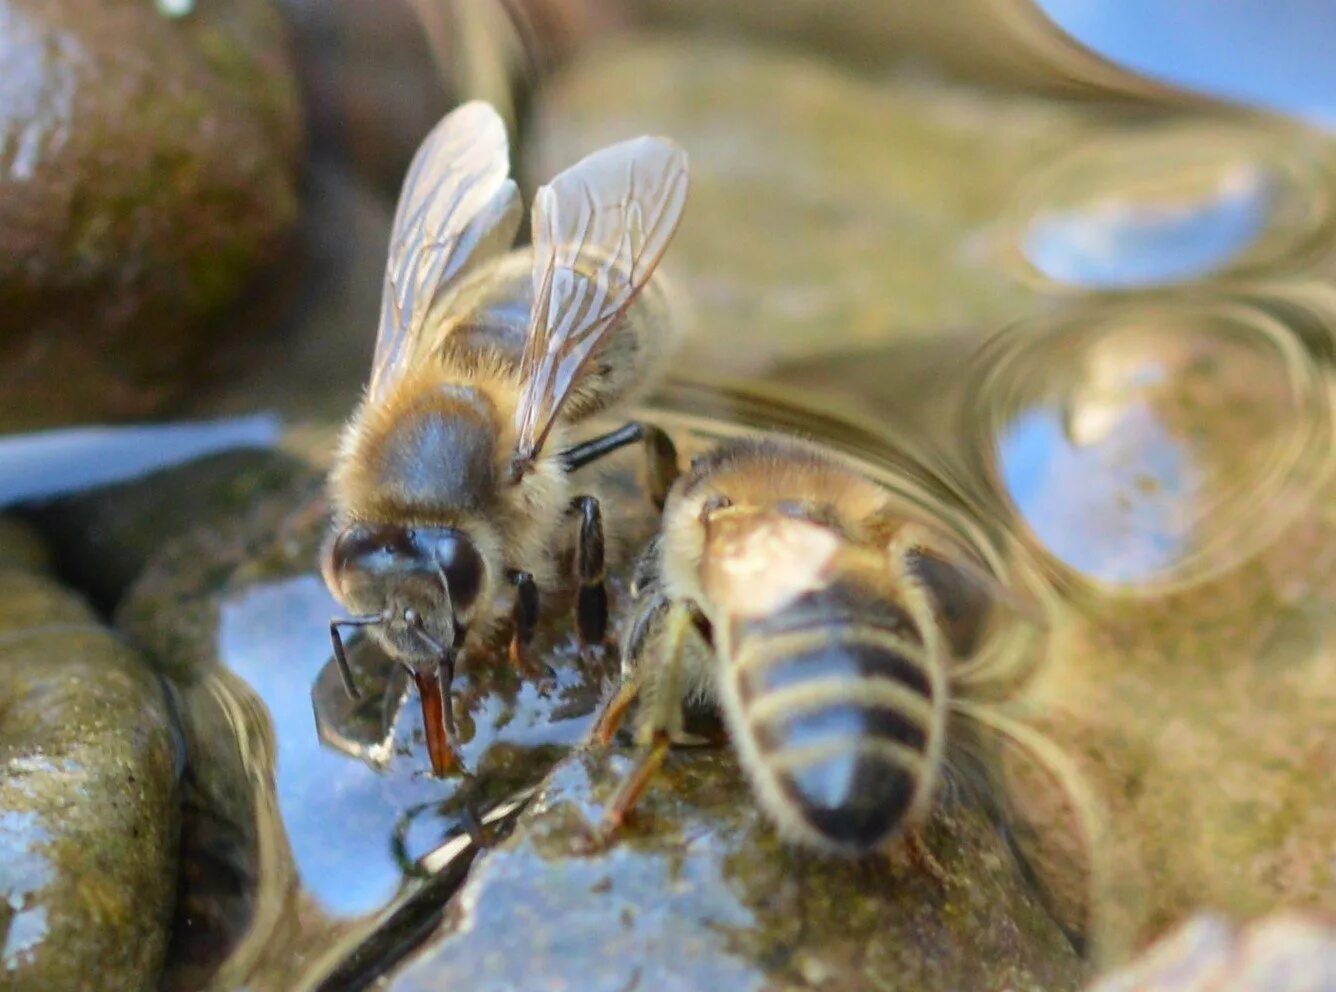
<point>843,642</point>
<point>452,480</point>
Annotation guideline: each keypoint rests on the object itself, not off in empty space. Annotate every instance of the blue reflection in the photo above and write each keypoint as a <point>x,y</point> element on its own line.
<point>51,463</point>
<point>1272,53</point>
<point>1116,243</point>
<point>352,827</point>
<point>339,814</point>
<point>1118,510</point>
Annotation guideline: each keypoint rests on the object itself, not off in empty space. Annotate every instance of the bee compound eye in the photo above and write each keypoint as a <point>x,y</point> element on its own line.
<point>462,566</point>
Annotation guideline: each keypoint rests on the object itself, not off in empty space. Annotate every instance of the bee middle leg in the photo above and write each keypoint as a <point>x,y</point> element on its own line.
<point>591,608</point>
<point>660,455</point>
<point>658,727</point>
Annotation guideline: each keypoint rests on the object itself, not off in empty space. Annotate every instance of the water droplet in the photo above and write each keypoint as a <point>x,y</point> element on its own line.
<point>1143,446</point>
<point>1172,206</point>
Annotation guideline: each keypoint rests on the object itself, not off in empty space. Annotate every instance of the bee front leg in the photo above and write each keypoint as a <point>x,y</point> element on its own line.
<point>613,714</point>
<point>524,617</point>
<point>591,610</point>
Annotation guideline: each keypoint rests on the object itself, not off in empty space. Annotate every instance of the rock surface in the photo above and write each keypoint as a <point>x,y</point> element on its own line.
<point>701,894</point>
<point>103,539</point>
<point>88,796</point>
<point>147,173</point>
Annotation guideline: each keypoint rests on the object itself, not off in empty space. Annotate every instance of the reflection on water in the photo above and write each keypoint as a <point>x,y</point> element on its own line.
<point>336,812</point>
<point>53,463</point>
<point>317,825</point>
<point>1272,53</point>
<point>1152,444</point>
<point>25,871</point>
<point>1179,203</point>
<point>1119,241</point>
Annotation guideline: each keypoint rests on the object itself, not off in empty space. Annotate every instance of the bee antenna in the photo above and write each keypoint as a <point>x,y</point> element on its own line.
<point>341,655</point>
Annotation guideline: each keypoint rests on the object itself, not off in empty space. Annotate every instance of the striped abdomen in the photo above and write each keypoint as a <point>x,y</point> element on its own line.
<point>838,714</point>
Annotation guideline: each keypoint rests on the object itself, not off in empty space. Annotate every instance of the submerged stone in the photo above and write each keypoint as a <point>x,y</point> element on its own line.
<point>827,213</point>
<point>88,796</point>
<point>1204,716</point>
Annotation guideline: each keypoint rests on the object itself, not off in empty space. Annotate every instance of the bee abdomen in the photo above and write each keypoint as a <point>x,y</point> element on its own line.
<point>844,725</point>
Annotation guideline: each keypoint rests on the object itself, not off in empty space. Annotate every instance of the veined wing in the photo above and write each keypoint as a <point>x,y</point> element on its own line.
<point>458,206</point>
<point>599,230</point>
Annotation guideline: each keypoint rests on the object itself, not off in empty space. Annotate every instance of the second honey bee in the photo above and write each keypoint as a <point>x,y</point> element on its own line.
<point>840,640</point>
<point>452,480</point>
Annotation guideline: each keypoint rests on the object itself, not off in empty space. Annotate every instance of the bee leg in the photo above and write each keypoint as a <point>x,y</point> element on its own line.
<point>591,611</point>
<point>662,723</point>
<point>634,785</point>
<point>525,620</point>
<point>613,714</point>
<point>660,453</point>
<point>341,659</point>
<point>645,623</point>
<point>661,463</point>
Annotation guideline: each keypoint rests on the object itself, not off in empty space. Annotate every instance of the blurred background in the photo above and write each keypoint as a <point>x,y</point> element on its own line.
<point>1061,270</point>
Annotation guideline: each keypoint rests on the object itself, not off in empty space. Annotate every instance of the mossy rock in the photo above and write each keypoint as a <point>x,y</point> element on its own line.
<point>88,803</point>
<point>148,171</point>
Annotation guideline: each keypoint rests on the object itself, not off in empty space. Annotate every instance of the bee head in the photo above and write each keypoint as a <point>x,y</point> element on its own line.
<point>415,587</point>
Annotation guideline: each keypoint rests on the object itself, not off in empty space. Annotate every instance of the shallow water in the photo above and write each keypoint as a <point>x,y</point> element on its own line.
<point>1105,369</point>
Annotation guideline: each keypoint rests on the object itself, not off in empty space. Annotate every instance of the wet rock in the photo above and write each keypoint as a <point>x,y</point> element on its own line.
<point>147,173</point>
<point>88,797</point>
<point>699,893</point>
<point>21,547</point>
<point>1285,952</point>
<point>827,214</point>
<point>104,538</point>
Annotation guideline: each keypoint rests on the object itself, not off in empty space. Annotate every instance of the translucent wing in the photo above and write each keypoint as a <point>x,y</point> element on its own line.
<point>599,229</point>
<point>457,206</point>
